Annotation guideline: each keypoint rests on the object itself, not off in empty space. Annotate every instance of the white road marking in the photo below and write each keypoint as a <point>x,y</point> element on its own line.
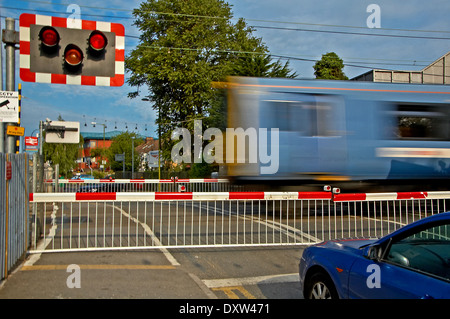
<point>166,253</point>
<point>292,232</point>
<point>231,282</point>
<point>42,245</point>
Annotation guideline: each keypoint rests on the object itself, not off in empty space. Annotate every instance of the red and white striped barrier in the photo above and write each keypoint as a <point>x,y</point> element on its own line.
<point>205,196</point>
<point>390,196</point>
<point>200,196</point>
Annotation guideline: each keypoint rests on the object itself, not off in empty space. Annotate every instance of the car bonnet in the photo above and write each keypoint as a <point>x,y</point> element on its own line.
<point>347,243</point>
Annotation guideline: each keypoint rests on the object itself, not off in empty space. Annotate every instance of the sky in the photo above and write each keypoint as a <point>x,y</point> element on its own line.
<point>412,34</point>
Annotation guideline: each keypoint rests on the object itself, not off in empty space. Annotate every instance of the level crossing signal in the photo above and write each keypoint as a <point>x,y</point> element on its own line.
<point>68,51</point>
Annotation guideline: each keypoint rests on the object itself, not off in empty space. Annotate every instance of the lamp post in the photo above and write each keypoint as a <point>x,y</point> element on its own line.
<point>104,138</point>
<point>159,138</point>
<point>104,127</point>
<point>132,157</point>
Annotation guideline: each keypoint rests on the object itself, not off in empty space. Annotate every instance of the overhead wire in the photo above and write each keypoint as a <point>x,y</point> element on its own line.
<point>353,33</point>
<point>247,19</point>
<point>282,56</point>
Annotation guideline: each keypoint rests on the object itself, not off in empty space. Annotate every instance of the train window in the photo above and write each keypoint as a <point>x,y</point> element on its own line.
<point>281,112</point>
<point>308,117</point>
<point>325,121</point>
<point>286,115</point>
<point>429,122</point>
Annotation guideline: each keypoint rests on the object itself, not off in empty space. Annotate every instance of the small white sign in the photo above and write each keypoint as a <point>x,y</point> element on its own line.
<point>9,106</point>
<point>153,159</point>
<point>62,132</point>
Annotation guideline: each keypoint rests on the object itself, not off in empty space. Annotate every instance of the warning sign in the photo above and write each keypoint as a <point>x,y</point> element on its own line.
<point>9,106</point>
<point>8,170</point>
<point>15,130</point>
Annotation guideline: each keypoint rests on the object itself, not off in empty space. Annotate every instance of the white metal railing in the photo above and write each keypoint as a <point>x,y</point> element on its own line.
<point>135,220</point>
<point>139,185</point>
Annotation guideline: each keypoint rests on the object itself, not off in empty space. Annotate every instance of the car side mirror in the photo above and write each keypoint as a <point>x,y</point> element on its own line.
<point>373,253</point>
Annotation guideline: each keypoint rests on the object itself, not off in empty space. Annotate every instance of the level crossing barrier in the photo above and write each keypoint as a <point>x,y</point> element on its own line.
<point>148,220</point>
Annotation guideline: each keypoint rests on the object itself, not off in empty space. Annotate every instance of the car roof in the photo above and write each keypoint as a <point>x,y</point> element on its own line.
<point>432,218</point>
<point>425,222</point>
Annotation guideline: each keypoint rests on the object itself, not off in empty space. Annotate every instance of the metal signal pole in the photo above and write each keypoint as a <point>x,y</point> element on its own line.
<point>10,38</point>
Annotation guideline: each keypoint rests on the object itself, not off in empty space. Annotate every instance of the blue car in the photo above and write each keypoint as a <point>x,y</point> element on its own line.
<point>412,262</point>
<point>83,176</point>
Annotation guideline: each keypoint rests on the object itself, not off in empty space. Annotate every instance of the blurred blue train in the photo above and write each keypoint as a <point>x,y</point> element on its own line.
<point>344,130</point>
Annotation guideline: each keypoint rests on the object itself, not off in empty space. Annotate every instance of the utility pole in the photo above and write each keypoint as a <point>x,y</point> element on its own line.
<point>10,37</point>
<point>41,138</point>
<point>2,126</point>
<point>104,142</point>
<point>132,157</point>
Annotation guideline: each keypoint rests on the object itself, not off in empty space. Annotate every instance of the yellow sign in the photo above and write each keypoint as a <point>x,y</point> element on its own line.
<point>15,130</point>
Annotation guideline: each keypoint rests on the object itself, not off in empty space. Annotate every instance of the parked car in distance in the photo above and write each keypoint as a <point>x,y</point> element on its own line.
<point>412,262</point>
<point>92,188</point>
<point>83,176</point>
<point>88,187</point>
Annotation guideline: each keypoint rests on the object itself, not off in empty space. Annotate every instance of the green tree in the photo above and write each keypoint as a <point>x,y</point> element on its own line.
<point>122,143</point>
<point>330,67</point>
<point>200,170</point>
<point>63,154</point>
<point>184,47</point>
<point>261,65</point>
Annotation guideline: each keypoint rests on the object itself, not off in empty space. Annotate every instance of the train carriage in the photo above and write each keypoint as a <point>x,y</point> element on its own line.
<point>340,130</point>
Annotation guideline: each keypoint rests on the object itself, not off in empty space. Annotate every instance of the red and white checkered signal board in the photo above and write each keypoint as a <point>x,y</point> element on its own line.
<point>27,20</point>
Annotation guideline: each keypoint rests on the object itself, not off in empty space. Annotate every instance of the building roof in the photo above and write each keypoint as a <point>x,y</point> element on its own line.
<point>438,72</point>
<point>150,144</point>
<point>99,136</point>
<point>108,135</point>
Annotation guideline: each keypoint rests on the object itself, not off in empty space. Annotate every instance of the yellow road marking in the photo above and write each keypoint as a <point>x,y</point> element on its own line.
<point>229,291</point>
<point>98,267</point>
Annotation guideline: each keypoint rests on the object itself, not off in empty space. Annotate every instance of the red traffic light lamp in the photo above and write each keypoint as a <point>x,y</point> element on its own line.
<point>49,37</point>
<point>97,41</point>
